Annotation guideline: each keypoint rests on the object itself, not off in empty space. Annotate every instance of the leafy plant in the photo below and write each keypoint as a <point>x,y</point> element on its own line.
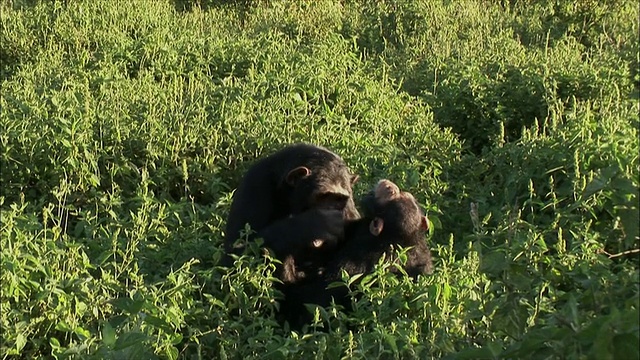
<point>126,132</point>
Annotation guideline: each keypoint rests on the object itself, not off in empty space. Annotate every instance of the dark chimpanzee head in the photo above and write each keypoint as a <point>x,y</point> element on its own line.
<point>394,212</point>
<point>324,182</point>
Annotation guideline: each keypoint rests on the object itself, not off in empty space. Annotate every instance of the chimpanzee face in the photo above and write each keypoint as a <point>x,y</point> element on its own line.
<point>394,210</point>
<point>325,187</point>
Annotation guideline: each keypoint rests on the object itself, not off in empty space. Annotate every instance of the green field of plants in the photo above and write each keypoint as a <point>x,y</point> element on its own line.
<point>126,127</point>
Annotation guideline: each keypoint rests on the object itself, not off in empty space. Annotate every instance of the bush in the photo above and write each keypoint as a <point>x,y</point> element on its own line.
<point>126,132</point>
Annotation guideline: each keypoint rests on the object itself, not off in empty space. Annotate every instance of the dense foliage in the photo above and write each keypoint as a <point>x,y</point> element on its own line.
<point>125,130</point>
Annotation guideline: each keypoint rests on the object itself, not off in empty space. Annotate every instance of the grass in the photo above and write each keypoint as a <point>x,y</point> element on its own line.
<point>126,129</point>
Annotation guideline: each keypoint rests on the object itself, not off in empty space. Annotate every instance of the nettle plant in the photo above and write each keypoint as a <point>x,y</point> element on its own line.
<point>125,133</point>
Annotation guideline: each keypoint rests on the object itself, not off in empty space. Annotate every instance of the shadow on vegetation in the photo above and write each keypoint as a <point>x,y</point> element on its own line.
<point>484,106</point>
<point>188,5</point>
<point>9,62</point>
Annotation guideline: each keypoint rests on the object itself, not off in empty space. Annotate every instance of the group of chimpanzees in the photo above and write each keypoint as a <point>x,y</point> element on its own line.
<point>299,200</point>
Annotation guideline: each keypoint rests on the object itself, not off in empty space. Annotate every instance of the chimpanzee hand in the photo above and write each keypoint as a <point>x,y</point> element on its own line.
<point>315,228</point>
<point>323,227</point>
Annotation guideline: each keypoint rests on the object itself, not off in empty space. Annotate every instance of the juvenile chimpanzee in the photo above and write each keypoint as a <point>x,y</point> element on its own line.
<point>296,200</point>
<point>391,217</point>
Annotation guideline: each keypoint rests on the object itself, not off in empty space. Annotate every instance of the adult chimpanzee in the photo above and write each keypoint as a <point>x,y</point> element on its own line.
<point>391,217</point>
<point>296,200</point>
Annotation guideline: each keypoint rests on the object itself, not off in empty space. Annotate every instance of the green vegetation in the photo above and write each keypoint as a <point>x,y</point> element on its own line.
<point>125,130</point>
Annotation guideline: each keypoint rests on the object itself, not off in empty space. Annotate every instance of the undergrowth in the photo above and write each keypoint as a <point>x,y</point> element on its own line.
<point>127,128</point>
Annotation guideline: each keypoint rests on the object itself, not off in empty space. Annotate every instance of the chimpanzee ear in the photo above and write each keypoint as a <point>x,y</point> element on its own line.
<point>354,179</point>
<point>375,226</point>
<point>296,174</point>
<point>424,223</point>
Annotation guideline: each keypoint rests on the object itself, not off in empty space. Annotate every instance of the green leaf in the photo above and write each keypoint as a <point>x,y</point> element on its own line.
<point>493,263</point>
<point>129,339</point>
<point>335,284</point>
<point>176,339</point>
<point>82,333</point>
<point>172,352</point>
<point>600,182</point>
<point>446,291</point>
<point>353,279</point>
<point>129,305</point>
<point>157,322</point>
<point>21,341</point>
<point>108,334</point>
<point>434,222</point>
<point>391,340</point>
<point>63,326</point>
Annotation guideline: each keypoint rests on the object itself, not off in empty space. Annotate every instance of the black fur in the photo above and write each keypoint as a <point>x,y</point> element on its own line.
<point>404,225</point>
<point>293,209</point>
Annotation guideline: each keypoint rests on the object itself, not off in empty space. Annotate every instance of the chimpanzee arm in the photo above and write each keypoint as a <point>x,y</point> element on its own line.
<point>291,234</point>
<point>253,203</point>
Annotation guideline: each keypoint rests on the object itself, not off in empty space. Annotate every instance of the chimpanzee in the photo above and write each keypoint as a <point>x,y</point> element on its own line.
<point>297,200</point>
<point>391,217</point>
